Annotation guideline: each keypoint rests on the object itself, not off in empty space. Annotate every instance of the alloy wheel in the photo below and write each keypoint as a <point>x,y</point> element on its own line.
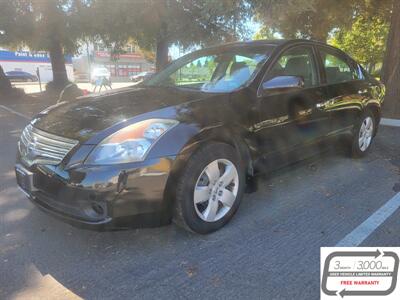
<point>365,134</point>
<point>216,190</point>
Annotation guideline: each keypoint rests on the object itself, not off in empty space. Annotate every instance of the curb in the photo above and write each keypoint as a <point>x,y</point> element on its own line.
<point>390,122</point>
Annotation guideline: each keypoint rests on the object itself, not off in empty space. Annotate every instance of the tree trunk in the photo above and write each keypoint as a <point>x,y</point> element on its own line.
<point>162,48</point>
<point>5,84</point>
<point>369,68</point>
<point>317,29</point>
<point>161,55</point>
<point>319,36</point>
<point>391,66</point>
<point>318,33</point>
<point>60,77</point>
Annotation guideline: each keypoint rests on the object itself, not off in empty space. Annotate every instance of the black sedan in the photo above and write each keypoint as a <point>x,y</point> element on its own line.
<point>185,144</point>
<point>21,76</point>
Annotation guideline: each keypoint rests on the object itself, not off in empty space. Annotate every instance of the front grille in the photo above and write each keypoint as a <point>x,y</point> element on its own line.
<point>39,147</point>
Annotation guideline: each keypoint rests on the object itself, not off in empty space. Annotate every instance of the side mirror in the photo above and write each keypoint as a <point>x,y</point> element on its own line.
<point>283,83</point>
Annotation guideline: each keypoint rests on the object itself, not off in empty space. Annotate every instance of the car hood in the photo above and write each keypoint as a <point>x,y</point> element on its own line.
<point>89,115</point>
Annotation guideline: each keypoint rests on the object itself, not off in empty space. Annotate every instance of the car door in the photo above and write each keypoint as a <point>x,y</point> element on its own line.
<point>345,90</point>
<point>291,118</point>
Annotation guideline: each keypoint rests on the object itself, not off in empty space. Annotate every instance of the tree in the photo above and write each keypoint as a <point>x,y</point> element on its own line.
<point>265,33</point>
<point>6,15</point>
<point>364,40</point>
<point>5,84</point>
<point>157,24</point>
<point>391,65</point>
<point>48,25</point>
<point>312,19</point>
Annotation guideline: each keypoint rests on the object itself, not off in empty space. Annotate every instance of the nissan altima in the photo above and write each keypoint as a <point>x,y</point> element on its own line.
<point>184,145</point>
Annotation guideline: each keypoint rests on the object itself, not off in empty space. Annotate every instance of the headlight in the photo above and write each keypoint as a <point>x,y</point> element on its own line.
<point>130,144</point>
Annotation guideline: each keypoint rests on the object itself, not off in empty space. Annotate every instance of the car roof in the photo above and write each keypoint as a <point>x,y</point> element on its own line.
<point>257,44</point>
<point>276,42</point>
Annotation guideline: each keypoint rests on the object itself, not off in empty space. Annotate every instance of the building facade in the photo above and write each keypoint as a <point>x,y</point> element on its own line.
<point>31,62</point>
<point>131,62</point>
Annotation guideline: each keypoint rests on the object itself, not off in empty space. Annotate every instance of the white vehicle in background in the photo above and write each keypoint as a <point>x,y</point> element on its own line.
<point>100,73</point>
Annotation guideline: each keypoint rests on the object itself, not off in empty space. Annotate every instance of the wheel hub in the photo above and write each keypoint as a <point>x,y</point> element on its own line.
<point>365,134</point>
<point>216,190</point>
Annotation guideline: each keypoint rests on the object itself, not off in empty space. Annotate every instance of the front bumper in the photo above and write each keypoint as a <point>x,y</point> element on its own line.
<point>104,197</point>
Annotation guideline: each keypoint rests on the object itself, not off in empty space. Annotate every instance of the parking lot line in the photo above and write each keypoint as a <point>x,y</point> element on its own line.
<point>15,112</point>
<point>390,122</point>
<point>360,233</point>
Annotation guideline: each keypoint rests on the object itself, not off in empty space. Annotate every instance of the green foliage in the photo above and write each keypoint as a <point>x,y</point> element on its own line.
<point>359,27</point>
<point>304,18</point>
<point>315,19</point>
<point>265,33</point>
<point>365,40</point>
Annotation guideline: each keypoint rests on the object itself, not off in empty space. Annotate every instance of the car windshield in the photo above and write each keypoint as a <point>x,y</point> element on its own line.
<point>213,71</point>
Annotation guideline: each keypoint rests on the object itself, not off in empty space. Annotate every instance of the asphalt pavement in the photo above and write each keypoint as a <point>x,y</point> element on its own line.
<point>270,250</point>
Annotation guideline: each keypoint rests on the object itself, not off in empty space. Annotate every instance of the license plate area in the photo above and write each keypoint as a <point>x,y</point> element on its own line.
<point>25,179</point>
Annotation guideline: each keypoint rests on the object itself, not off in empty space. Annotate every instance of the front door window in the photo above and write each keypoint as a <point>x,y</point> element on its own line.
<point>297,61</point>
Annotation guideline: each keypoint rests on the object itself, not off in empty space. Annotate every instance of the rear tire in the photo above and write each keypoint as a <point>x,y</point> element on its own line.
<point>209,189</point>
<point>363,134</point>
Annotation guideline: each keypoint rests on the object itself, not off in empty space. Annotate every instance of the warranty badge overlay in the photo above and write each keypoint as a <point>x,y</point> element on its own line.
<point>360,273</point>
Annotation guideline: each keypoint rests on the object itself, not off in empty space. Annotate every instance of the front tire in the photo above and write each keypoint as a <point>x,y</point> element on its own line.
<point>363,135</point>
<point>209,189</point>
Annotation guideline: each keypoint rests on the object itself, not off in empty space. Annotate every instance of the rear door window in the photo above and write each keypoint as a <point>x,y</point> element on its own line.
<point>337,69</point>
